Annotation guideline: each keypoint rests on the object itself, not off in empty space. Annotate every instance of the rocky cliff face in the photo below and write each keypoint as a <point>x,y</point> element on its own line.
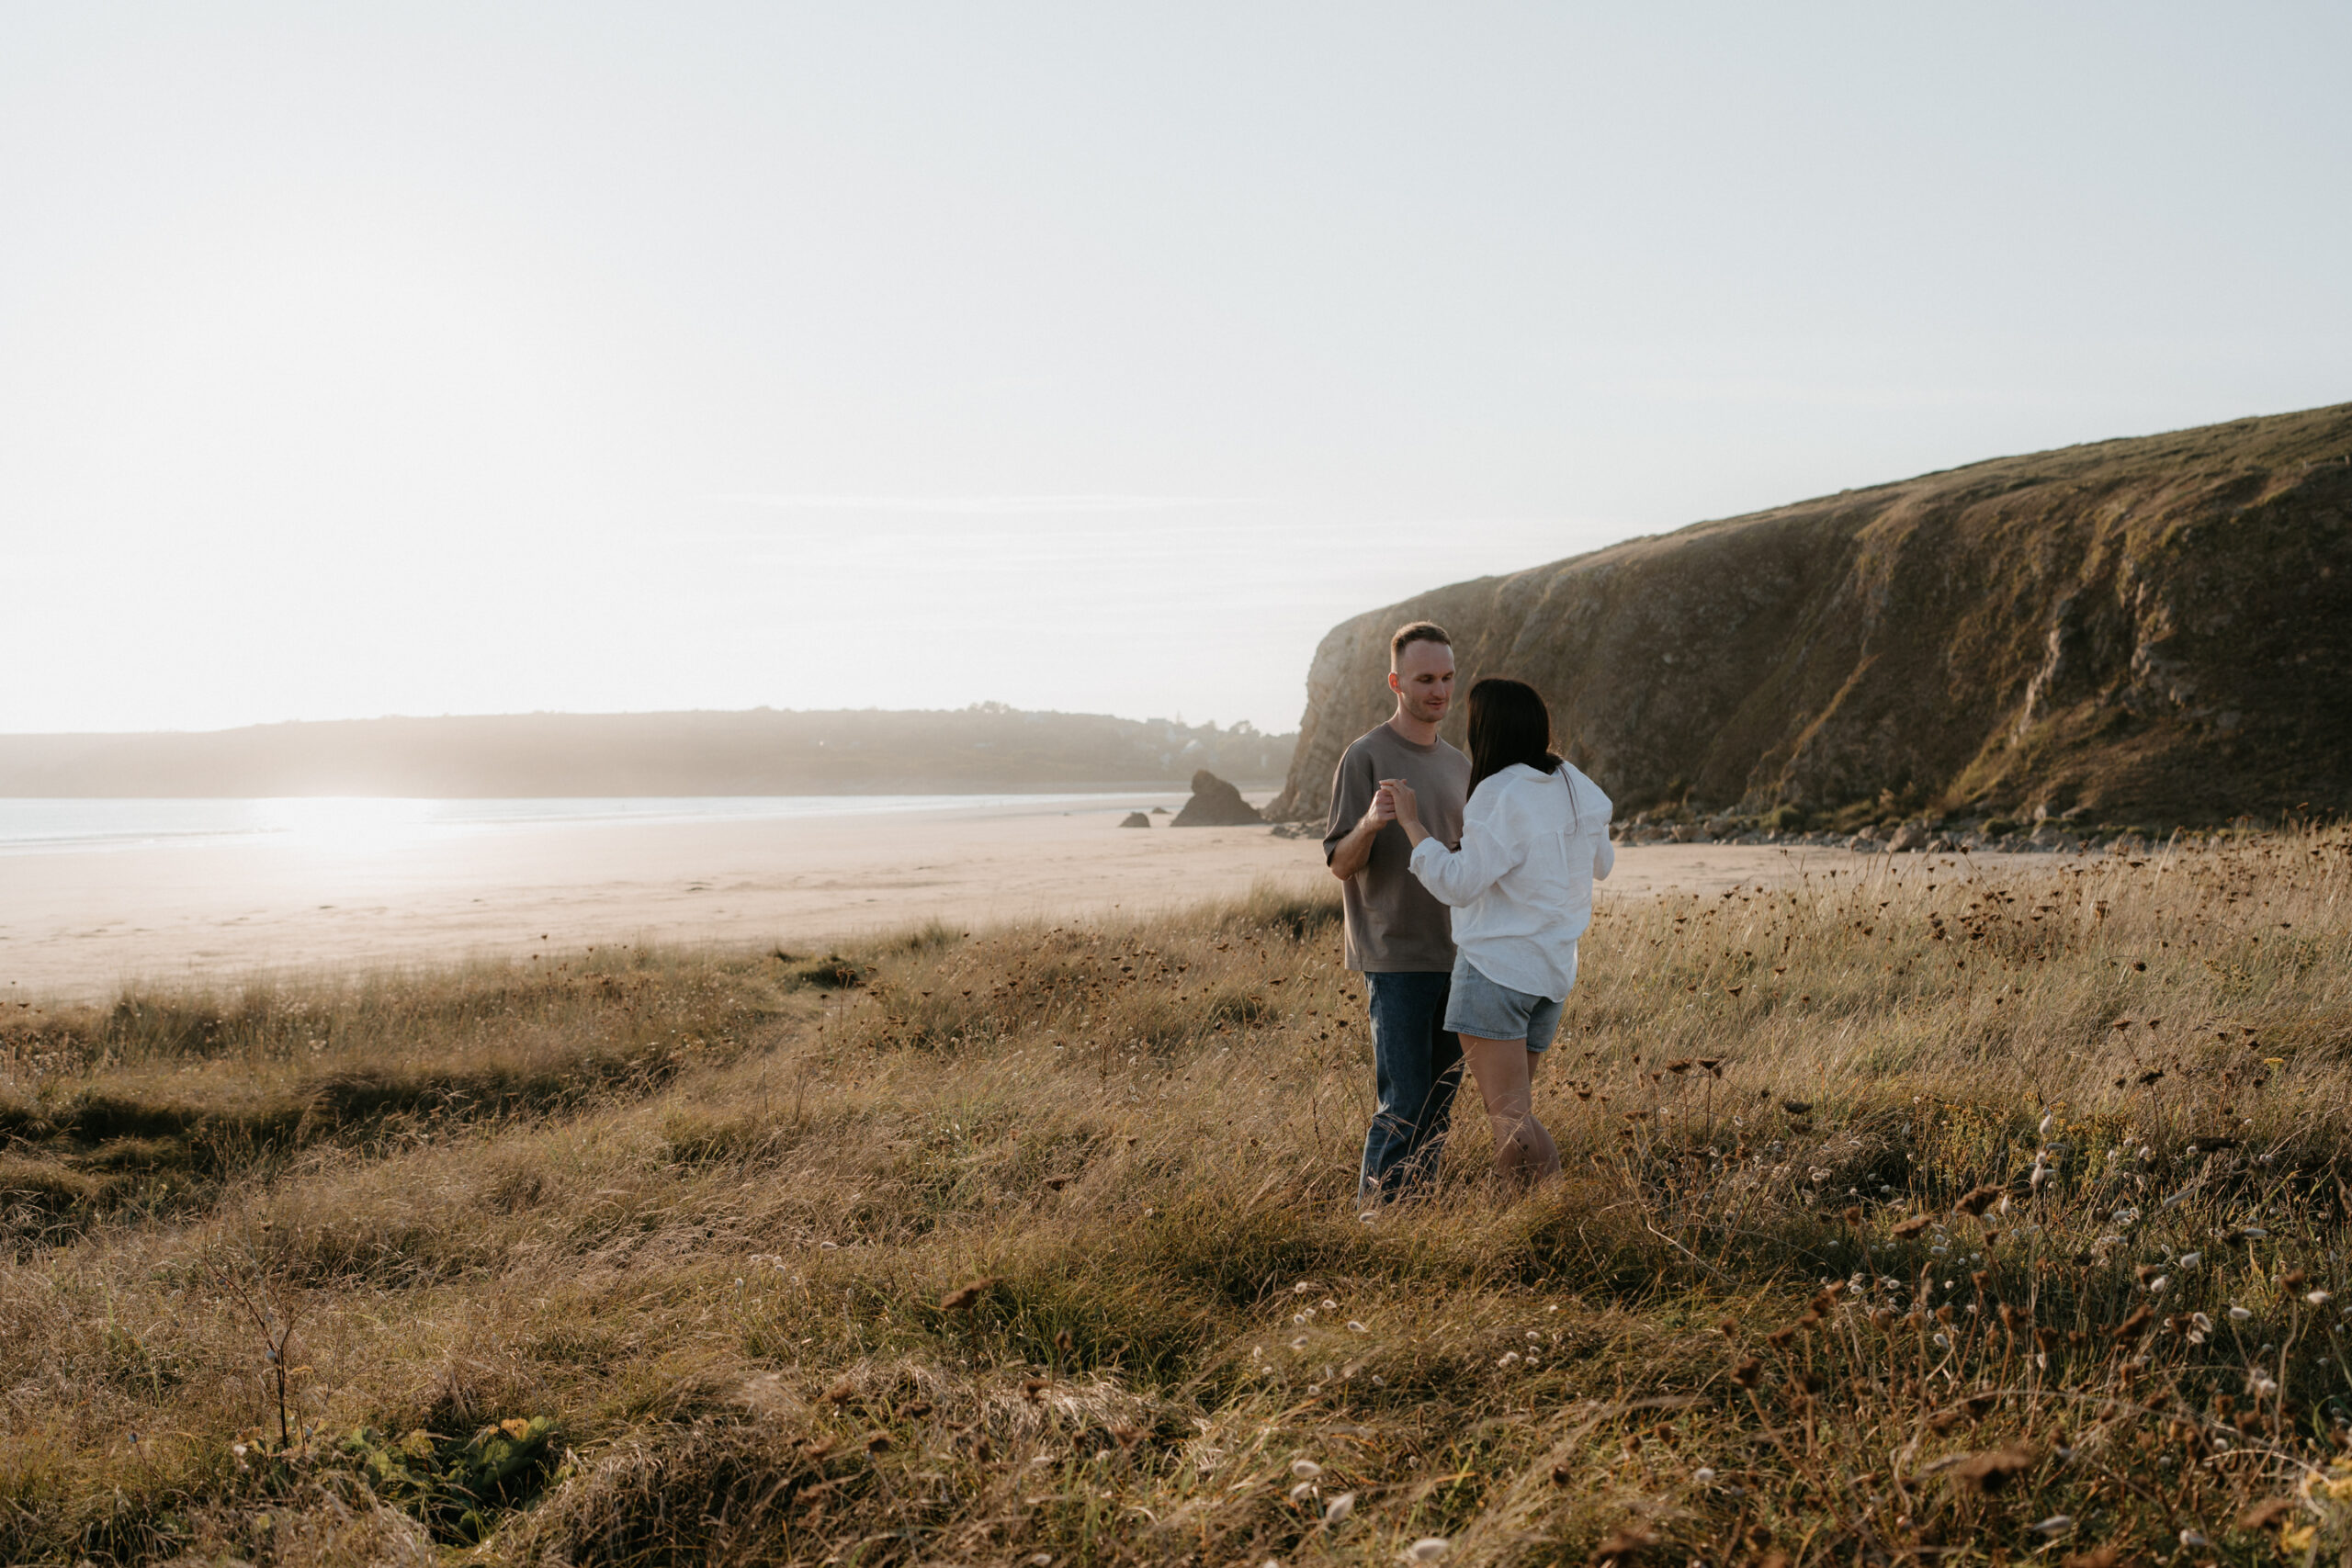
<point>2151,630</point>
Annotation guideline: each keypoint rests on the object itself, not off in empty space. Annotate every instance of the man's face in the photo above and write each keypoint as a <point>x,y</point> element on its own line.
<point>1423,680</point>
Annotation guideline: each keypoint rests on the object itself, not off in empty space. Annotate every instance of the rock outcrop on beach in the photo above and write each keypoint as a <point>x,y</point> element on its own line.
<point>2154,630</point>
<point>1215,804</point>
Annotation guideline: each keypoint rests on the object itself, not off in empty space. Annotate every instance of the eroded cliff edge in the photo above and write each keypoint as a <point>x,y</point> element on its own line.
<point>2156,629</point>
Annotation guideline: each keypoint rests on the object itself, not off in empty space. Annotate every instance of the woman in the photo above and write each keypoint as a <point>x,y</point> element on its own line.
<point>1534,837</point>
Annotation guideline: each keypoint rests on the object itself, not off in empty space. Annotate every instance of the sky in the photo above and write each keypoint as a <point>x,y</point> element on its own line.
<point>459,358</point>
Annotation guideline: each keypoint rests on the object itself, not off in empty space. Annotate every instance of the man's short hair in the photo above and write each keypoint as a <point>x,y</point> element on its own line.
<point>1413,632</point>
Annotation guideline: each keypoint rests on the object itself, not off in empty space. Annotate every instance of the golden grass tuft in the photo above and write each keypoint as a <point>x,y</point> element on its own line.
<point>1907,1212</point>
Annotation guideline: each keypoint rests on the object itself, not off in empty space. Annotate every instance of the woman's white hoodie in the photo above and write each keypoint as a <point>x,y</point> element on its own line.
<point>1520,886</point>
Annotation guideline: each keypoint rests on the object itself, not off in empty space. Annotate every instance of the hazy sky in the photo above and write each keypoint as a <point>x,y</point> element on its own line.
<point>429,358</point>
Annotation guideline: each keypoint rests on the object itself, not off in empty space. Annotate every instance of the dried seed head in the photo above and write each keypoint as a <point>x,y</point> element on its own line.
<point>1623,1544</point>
<point>965,1297</point>
<point>2269,1512</point>
<point>1977,1199</point>
<point>1992,1470</point>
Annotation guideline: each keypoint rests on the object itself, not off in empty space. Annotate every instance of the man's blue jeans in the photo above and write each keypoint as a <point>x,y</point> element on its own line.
<point>1419,1066</point>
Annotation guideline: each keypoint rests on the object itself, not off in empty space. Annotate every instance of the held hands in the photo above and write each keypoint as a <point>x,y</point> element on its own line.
<point>1404,805</point>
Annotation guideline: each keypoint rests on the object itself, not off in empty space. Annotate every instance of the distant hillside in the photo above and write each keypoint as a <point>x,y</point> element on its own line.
<point>2156,629</point>
<point>984,748</point>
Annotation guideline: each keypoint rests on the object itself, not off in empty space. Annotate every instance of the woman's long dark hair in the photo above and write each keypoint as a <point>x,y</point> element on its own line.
<point>1509,723</point>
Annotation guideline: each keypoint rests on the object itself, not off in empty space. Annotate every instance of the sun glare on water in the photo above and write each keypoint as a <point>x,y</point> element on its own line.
<point>349,827</point>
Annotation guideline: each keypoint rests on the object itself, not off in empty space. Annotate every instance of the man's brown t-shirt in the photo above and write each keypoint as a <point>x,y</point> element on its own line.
<point>1394,924</point>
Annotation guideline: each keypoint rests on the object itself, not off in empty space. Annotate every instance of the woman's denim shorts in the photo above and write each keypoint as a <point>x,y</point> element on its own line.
<point>1477,1006</point>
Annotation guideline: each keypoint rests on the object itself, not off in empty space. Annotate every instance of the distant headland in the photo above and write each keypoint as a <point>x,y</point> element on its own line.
<point>988,748</point>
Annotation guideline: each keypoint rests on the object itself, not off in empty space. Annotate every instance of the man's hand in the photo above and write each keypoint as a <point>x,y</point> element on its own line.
<point>1354,851</point>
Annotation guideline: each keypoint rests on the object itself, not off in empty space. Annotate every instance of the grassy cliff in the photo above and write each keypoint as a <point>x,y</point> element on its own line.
<point>2155,630</point>
<point>1909,1216</point>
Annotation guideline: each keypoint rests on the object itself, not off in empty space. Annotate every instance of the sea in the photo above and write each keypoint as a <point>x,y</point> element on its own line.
<point>39,826</point>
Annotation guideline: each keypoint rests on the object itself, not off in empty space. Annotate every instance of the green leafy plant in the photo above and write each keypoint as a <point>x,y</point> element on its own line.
<point>830,973</point>
<point>457,1486</point>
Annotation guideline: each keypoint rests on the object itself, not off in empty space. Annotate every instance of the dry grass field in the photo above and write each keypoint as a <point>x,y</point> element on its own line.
<point>1909,1217</point>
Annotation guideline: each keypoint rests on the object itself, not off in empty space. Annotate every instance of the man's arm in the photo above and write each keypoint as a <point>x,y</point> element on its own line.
<point>1353,853</point>
<point>1359,812</point>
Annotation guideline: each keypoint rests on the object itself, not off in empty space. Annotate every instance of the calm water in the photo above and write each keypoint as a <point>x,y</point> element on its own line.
<point>31,827</point>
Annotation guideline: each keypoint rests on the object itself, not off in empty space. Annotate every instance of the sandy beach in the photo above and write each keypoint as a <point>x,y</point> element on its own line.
<point>78,924</point>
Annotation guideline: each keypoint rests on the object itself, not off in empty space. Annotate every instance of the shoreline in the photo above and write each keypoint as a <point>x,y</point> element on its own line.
<point>43,824</point>
<point>83,925</point>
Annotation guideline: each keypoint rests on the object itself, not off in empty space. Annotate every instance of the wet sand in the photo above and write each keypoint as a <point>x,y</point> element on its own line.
<point>80,924</point>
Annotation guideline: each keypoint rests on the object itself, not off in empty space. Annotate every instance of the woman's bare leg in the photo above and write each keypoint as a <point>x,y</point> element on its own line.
<point>1523,1150</point>
<point>1547,1152</point>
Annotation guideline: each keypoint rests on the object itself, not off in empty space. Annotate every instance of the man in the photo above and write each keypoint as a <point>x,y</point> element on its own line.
<point>1398,936</point>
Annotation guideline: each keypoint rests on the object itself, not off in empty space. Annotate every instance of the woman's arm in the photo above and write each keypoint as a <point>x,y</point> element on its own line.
<point>1587,798</point>
<point>1457,876</point>
<point>1404,805</point>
